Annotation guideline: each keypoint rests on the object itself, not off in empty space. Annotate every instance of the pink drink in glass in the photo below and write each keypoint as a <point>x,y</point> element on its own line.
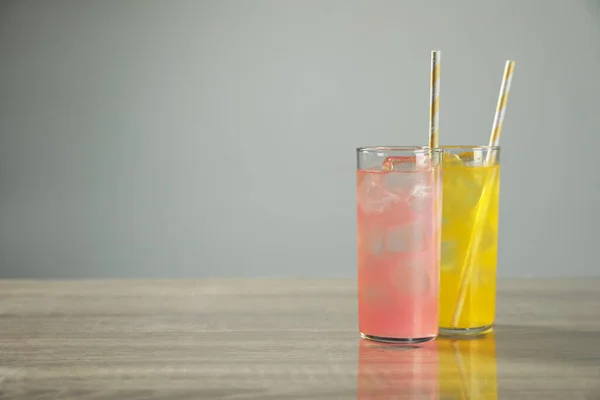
<point>398,212</point>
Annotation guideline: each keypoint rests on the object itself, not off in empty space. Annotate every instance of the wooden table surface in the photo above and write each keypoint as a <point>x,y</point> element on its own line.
<point>278,339</point>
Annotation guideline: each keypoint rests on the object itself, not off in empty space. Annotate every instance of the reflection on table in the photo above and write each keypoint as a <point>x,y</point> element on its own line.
<point>444,369</point>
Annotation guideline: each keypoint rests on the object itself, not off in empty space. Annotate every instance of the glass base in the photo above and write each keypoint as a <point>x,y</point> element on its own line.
<point>463,332</point>
<point>396,340</point>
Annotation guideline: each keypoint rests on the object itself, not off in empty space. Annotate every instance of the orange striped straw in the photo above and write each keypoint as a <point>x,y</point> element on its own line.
<point>434,107</point>
<point>501,108</point>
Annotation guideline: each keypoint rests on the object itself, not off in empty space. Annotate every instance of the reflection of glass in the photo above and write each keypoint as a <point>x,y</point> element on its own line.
<point>468,369</point>
<point>443,370</point>
<point>394,372</point>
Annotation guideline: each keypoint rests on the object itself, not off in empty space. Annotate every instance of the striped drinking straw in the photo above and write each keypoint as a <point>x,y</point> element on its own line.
<point>482,209</point>
<point>434,105</point>
<point>501,108</point>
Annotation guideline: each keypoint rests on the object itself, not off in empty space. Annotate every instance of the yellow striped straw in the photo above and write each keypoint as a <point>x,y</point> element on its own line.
<point>501,108</point>
<point>434,107</point>
<point>482,209</point>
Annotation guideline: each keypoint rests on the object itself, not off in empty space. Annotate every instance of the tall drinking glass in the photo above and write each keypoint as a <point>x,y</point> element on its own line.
<point>471,187</point>
<point>399,205</point>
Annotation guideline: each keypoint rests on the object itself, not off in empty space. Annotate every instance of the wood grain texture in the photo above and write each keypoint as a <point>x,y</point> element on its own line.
<point>281,339</point>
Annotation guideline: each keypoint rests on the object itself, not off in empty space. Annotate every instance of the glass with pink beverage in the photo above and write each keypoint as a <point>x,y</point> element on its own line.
<point>399,207</point>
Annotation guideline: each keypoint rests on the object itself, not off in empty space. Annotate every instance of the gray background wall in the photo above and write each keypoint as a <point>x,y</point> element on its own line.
<point>216,138</point>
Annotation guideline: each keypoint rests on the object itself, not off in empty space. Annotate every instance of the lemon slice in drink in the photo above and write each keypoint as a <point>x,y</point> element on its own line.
<point>467,156</point>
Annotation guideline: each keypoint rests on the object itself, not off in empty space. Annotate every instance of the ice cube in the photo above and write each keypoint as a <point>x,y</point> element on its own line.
<point>475,163</point>
<point>423,161</point>
<point>449,255</point>
<point>407,163</point>
<point>487,239</point>
<point>398,163</point>
<point>483,276</point>
<point>410,276</point>
<point>451,160</point>
<point>472,190</point>
<point>405,238</point>
<point>373,293</point>
<point>420,197</point>
<point>372,194</point>
<point>400,182</point>
<point>462,193</point>
<point>373,242</point>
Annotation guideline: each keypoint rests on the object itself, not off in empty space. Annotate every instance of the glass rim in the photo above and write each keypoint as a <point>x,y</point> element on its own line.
<point>469,147</point>
<point>413,149</point>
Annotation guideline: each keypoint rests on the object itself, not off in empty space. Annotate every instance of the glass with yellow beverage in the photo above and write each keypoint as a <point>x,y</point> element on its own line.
<point>471,186</point>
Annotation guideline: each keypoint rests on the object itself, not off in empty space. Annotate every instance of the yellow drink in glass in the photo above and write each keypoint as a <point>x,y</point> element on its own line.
<point>471,188</point>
